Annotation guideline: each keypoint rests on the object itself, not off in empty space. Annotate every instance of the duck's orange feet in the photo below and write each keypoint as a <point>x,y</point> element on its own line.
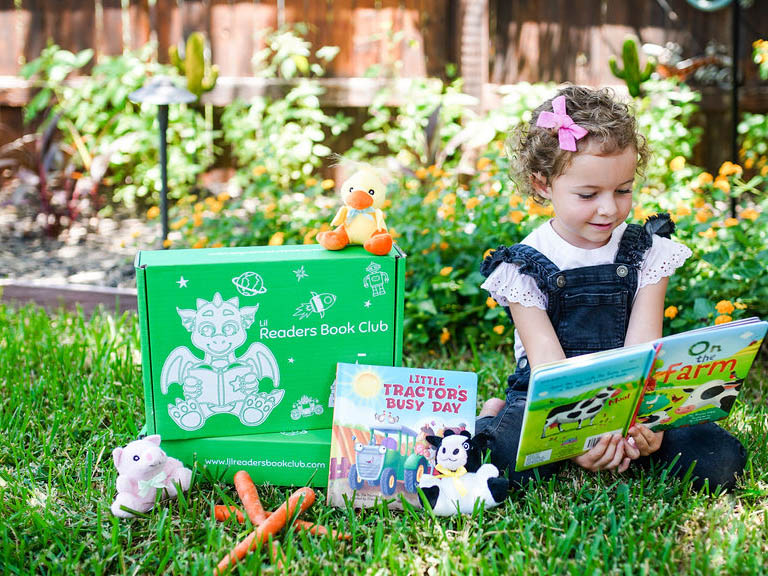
<point>379,244</point>
<point>333,239</point>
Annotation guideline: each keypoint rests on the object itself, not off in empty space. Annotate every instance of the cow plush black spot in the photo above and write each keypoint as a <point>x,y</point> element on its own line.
<point>462,478</point>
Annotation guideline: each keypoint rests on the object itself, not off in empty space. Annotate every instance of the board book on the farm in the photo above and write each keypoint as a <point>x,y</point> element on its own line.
<point>679,380</point>
<point>382,416</point>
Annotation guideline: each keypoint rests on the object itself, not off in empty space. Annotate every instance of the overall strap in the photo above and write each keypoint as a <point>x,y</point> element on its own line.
<point>531,262</point>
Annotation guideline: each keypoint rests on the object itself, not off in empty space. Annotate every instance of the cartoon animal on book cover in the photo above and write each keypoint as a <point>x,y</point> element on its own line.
<point>462,479</point>
<point>221,382</point>
<point>143,468</point>
<point>578,411</point>
<point>360,220</point>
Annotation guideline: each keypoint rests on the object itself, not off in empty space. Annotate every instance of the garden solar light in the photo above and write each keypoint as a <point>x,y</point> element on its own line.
<point>162,91</point>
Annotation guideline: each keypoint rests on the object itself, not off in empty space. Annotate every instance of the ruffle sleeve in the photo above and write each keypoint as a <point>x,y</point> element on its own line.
<point>662,259</point>
<point>507,284</point>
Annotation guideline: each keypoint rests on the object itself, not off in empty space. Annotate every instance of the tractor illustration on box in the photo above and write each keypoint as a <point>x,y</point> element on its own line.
<point>306,406</point>
<point>392,459</point>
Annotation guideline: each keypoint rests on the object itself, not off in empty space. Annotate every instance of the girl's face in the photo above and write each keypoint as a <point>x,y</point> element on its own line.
<point>592,197</point>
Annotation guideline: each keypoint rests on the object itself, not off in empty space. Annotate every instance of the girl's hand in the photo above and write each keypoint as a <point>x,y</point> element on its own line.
<point>611,452</point>
<point>646,440</point>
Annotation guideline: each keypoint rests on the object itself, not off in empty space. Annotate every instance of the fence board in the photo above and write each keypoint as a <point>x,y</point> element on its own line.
<point>13,45</point>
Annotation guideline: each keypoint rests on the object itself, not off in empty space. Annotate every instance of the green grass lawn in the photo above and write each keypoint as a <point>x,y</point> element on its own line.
<point>71,391</point>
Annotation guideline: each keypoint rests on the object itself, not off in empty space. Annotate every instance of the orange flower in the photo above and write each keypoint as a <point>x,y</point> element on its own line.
<point>491,303</point>
<point>412,184</point>
<point>698,202</point>
<point>703,179</point>
<point>764,170</point>
<point>641,213</point>
<point>421,173</point>
<point>201,242</point>
<point>309,237</point>
<point>311,181</point>
<point>749,163</point>
<point>327,184</point>
<point>223,197</point>
<point>153,212</point>
<point>472,203</point>
<point>499,329</point>
<point>677,163</point>
<point>516,216</point>
<point>683,210</point>
<point>446,270</point>
<point>515,200</point>
<point>722,183</point>
<point>217,245</point>
<point>259,170</point>
<point>277,239</point>
<point>729,168</point>
<point>167,243</point>
<point>430,197</point>
<point>394,233</point>
<point>449,199</point>
<point>731,222</point>
<point>708,233</point>
<point>445,335</point>
<point>179,223</point>
<point>483,163</point>
<point>199,207</point>
<point>740,305</point>
<point>750,214</point>
<point>444,245</point>
<point>723,319</point>
<point>703,215</point>
<point>197,220</point>
<point>724,307</point>
<point>425,232</point>
<point>670,312</point>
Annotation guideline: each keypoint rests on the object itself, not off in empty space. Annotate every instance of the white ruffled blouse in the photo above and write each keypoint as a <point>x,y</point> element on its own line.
<point>506,284</point>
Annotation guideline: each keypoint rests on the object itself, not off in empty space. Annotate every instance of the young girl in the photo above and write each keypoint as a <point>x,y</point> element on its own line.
<point>587,281</point>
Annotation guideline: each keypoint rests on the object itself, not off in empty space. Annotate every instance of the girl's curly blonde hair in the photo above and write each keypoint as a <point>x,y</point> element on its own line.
<point>609,123</point>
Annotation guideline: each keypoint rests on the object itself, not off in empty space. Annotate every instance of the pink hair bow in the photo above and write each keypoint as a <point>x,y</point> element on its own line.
<point>567,131</point>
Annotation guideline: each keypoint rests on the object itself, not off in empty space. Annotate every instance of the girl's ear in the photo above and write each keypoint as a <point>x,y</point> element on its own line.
<point>540,185</point>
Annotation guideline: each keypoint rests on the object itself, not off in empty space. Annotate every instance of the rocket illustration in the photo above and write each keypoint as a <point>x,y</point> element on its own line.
<point>318,304</point>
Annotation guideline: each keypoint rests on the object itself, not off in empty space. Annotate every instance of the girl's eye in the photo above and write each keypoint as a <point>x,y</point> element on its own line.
<point>587,196</point>
<point>627,191</point>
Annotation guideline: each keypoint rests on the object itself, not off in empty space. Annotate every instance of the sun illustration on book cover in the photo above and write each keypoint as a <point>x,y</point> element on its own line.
<point>367,384</point>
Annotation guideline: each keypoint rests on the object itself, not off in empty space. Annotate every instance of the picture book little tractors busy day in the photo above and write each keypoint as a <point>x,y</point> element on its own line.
<point>382,417</point>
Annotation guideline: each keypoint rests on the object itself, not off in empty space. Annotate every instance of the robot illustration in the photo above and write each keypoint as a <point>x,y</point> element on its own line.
<point>375,279</point>
<point>222,382</point>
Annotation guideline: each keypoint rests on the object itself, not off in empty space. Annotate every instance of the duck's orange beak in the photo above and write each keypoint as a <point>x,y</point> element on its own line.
<point>359,200</point>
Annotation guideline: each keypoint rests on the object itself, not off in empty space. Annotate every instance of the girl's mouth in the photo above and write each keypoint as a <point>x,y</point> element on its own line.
<point>601,226</point>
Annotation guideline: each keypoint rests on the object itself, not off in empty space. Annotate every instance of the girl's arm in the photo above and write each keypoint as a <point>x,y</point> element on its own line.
<point>539,338</point>
<point>645,324</point>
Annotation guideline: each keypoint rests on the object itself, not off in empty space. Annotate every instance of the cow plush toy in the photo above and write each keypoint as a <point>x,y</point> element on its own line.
<point>143,468</point>
<point>462,479</point>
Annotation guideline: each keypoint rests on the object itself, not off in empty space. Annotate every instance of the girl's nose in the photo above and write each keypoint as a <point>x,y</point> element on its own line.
<point>606,207</point>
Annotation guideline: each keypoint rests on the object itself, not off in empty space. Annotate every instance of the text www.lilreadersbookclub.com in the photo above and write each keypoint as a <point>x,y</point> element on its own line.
<point>264,463</point>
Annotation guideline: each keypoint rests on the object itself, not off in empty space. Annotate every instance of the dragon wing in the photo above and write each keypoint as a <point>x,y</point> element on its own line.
<point>263,361</point>
<point>175,367</point>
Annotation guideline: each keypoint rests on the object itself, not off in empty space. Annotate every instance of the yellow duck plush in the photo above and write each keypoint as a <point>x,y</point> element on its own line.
<point>360,220</point>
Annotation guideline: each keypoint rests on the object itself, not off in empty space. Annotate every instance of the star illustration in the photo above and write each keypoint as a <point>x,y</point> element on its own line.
<point>182,282</point>
<point>300,273</point>
<point>291,360</point>
<point>367,304</point>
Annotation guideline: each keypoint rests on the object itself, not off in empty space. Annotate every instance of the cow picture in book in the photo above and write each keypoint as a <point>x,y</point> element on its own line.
<point>714,394</point>
<point>578,412</point>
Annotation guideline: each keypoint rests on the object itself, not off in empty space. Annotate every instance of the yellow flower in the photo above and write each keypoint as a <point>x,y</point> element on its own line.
<point>199,207</point>
<point>472,203</point>
<point>515,200</point>
<point>421,173</point>
<point>708,233</point>
<point>499,329</point>
<point>223,197</point>
<point>425,232</point>
<point>698,202</point>
<point>670,312</point>
<point>516,216</point>
<point>153,212</point>
<point>739,305</point>
<point>750,214</point>
<point>724,307</point>
<point>483,163</point>
<point>491,303</point>
<point>449,199</point>
<point>749,163</point>
<point>729,168</point>
<point>446,270</point>
<point>327,184</point>
<point>677,163</point>
<point>682,210</point>
<point>703,179</point>
<point>179,223</point>
<point>444,246</point>
<point>703,215</point>
<point>488,252</point>
<point>430,197</point>
<point>412,184</point>
<point>277,239</point>
<point>446,212</point>
<point>764,170</point>
<point>722,183</point>
<point>201,242</point>
<point>394,233</point>
<point>309,237</point>
<point>216,207</point>
<point>641,213</point>
<point>259,170</point>
<point>167,243</point>
<point>311,181</point>
<point>197,220</point>
<point>445,335</point>
<point>217,245</point>
<point>723,319</point>
<point>731,222</point>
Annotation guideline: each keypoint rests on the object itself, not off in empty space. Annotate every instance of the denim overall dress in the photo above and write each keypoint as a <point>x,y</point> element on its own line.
<point>589,309</point>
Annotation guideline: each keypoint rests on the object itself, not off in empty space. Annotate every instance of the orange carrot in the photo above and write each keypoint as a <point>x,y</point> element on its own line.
<point>320,530</point>
<point>222,513</point>
<point>250,497</point>
<point>271,525</point>
<point>278,561</point>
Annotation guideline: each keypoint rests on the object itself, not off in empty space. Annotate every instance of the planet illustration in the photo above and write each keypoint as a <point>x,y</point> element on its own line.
<point>249,284</point>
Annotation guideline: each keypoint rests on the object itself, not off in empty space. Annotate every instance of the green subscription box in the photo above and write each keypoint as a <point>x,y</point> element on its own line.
<point>240,341</point>
<point>296,458</point>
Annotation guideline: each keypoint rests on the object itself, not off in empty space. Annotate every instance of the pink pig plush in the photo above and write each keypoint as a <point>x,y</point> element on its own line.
<point>142,469</point>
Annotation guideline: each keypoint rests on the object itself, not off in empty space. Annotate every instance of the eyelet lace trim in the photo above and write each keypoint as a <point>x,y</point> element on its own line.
<point>667,257</point>
<point>507,285</point>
